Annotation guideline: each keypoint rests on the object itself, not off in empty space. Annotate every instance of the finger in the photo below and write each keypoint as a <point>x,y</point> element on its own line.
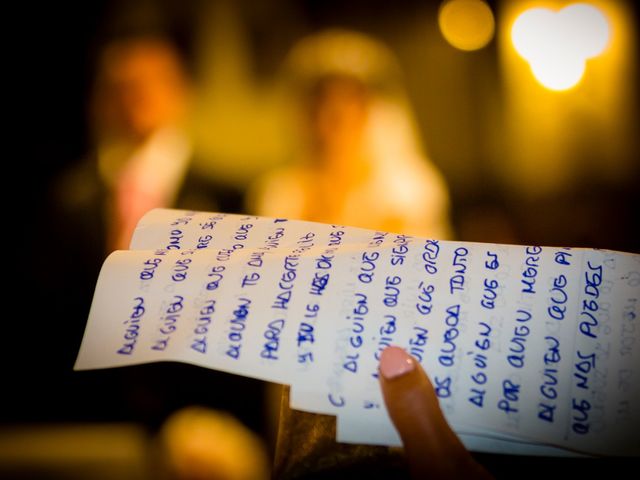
<point>432,448</point>
<point>413,405</point>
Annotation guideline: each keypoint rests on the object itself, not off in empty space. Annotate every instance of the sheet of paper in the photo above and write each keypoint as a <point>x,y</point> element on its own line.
<point>381,433</point>
<point>523,343</point>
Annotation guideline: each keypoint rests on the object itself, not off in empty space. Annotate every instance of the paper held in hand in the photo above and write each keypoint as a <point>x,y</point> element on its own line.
<point>532,350</point>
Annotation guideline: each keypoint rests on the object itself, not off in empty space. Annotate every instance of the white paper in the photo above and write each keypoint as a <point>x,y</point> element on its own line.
<point>526,344</point>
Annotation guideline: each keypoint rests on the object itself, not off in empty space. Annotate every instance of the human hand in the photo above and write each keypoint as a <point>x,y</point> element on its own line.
<point>433,450</point>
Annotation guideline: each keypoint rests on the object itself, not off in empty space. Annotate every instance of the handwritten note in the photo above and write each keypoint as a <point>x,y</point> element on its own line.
<point>531,349</point>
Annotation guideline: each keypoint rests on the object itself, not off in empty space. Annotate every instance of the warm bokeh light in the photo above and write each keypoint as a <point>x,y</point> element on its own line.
<point>558,44</point>
<point>466,24</point>
<point>585,133</point>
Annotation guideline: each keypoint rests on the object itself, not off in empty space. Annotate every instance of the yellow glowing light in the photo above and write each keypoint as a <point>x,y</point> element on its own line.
<point>466,24</point>
<point>558,44</point>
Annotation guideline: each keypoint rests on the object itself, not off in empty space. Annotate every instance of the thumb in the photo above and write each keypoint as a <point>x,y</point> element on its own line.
<point>432,448</point>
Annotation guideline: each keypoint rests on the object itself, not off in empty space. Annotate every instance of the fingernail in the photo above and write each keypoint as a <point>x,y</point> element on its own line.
<point>395,362</point>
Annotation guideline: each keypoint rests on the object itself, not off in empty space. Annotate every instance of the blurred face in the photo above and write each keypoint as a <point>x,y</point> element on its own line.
<point>141,87</point>
<point>339,108</point>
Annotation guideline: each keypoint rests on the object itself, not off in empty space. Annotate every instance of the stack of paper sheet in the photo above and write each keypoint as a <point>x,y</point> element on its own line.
<point>531,350</point>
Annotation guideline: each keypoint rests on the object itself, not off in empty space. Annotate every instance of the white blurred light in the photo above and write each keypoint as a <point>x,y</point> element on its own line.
<point>558,73</point>
<point>531,31</point>
<point>558,44</point>
<point>586,28</point>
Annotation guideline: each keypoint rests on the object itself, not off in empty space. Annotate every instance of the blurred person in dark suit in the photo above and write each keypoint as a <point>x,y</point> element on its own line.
<point>142,159</point>
<point>143,154</point>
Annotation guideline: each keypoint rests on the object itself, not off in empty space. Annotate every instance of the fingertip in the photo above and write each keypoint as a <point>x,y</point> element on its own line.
<point>396,362</point>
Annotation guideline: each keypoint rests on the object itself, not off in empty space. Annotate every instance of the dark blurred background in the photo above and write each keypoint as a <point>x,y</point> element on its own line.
<point>554,167</point>
<point>523,163</point>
